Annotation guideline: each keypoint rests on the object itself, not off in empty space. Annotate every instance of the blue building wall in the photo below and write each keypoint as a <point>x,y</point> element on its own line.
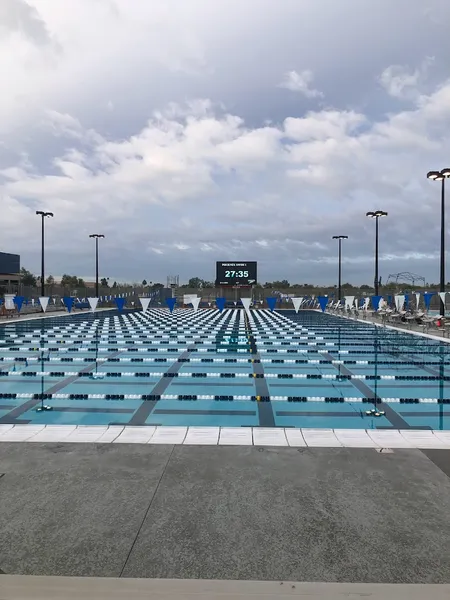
<point>9,263</point>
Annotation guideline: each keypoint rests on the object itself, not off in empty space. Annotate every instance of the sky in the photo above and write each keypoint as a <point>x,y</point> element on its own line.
<point>194,132</point>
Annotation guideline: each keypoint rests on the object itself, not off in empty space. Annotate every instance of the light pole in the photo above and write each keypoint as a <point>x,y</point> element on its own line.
<point>43,215</point>
<point>340,238</point>
<point>376,215</point>
<point>96,236</point>
<point>441,176</point>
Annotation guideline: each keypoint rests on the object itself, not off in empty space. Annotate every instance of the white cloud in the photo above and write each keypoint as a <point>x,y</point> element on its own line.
<point>173,165</point>
<point>301,82</point>
<point>404,83</point>
<point>18,17</point>
<point>165,133</point>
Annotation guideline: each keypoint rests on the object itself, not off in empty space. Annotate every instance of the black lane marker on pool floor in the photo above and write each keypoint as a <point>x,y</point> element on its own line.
<point>147,407</point>
<point>265,409</point>
<point>84,409</point>
<point>437,413</point>
<point>180,411</point>
<point>310,413</point>
<point>11,417</point>
<point>390,414</point>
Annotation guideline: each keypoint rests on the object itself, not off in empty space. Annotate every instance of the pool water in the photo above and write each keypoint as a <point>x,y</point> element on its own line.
<point>206,368</point>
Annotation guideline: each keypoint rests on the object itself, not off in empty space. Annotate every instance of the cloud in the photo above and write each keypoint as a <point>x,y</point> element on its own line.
<point>301,82</point>
<point>18,16</point>
<point>166,134</point>
<point>403,83</point>
<point>344,162</point>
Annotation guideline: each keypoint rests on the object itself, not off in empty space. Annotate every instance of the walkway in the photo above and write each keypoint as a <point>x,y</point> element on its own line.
<point>55,588</point>
<point>225,513</point>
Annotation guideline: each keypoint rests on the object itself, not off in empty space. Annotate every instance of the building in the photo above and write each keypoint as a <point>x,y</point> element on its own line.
<point>9,272</point>
<point>87,284</point>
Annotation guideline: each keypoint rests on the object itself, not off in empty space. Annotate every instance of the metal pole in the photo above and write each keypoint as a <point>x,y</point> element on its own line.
<point>339,280</point>
<point>96,267</point>
<point>442,278</point>
<point>42,261</point>
<point>376,257</point>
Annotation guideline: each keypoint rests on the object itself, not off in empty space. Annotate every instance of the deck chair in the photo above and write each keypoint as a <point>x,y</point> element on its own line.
<point>9,309</point>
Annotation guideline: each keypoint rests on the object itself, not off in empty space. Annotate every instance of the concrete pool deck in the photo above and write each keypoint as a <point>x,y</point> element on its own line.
<point>221,513</point>
<point>94,588</point>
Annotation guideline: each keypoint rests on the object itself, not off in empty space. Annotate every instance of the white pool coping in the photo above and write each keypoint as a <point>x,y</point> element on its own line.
<point>227,436</point>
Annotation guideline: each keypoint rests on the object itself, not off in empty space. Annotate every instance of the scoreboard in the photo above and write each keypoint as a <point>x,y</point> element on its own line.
<point>235,274</point>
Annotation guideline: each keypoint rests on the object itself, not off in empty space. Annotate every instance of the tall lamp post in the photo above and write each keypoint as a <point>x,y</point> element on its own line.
<point>96,236</point>
<point>376,215</point>
<point>340,238</point>
<point>441,176</point>
<point>43,214</point>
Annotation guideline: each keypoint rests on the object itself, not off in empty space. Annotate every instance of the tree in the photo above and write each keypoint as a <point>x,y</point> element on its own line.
<point>50,280</point>
<point>67,280</point>
<point>114,285</point>
<point>157,286</point>
<point>72,281</point>
<point>104,282</point>
<point>144,283</point>
<point>195,282</point>
<point>28,279</point>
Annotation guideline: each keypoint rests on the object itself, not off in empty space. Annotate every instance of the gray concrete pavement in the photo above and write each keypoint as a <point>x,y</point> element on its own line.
<point>330,515</point>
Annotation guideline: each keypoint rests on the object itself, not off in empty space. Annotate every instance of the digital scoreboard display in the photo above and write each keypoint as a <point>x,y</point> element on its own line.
<point>235,273</point>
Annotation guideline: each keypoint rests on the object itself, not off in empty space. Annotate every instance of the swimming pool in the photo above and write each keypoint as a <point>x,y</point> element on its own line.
<point>206,368</point>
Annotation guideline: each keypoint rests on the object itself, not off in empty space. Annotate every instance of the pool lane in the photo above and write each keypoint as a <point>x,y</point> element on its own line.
<point>294,356</point>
